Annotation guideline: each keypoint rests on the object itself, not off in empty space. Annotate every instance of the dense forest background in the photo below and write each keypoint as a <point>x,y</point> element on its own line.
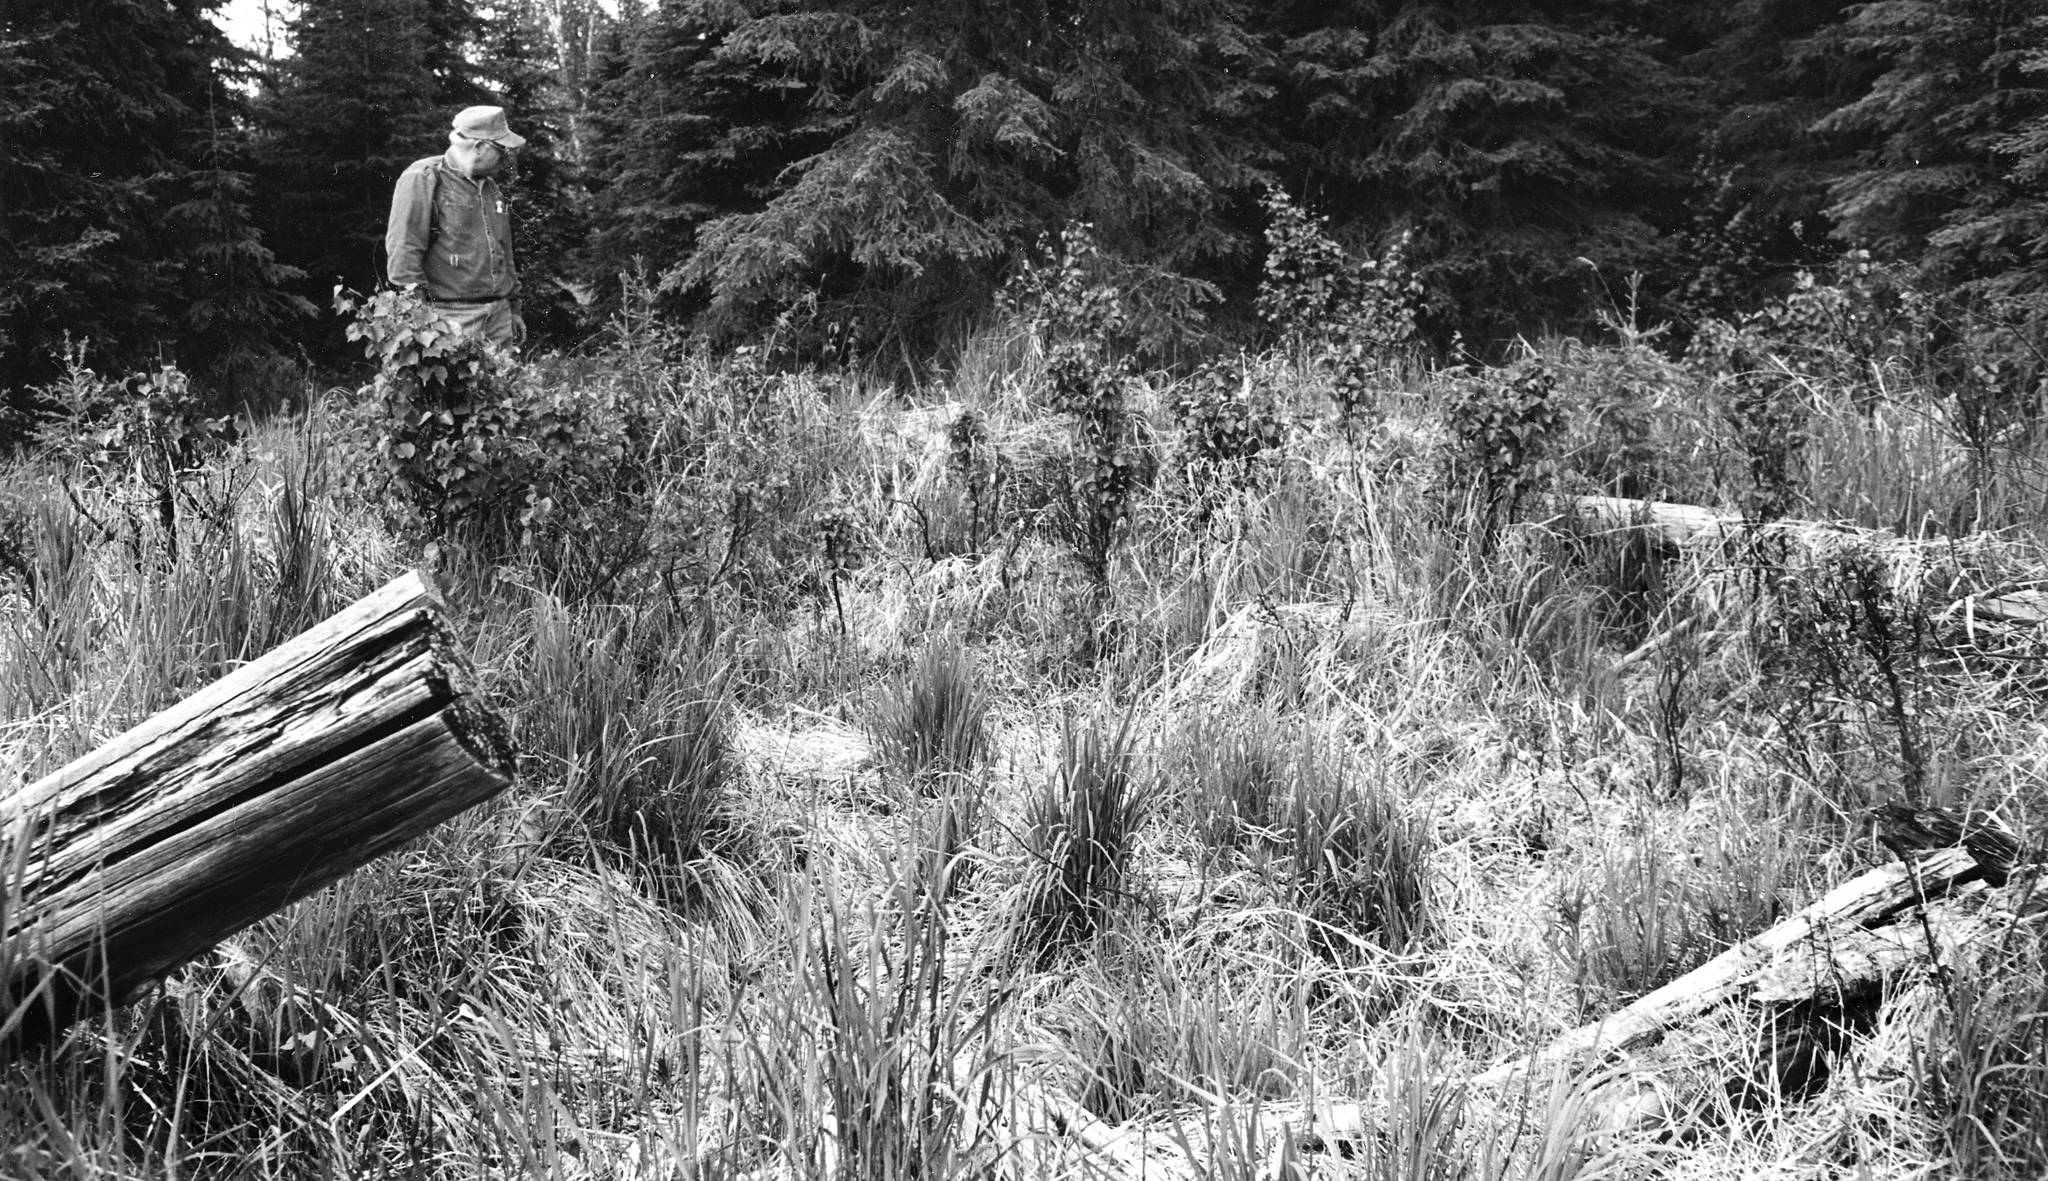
<point>851,180</point>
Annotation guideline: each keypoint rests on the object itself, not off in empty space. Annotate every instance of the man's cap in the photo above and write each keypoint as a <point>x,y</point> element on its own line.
<point>487,123</point>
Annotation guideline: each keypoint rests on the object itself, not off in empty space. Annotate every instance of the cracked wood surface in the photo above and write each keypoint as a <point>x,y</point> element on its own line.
<point>302,765</point>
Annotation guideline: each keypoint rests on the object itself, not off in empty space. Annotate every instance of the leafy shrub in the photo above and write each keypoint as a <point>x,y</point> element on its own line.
<point>1308,290</point>
<point>752,483</point>
<point>1992,376</point>
<point>1771,421</point>
<point>1315,290</point>
<point>982,472</point>
<point>1633,423</point>
<point>842,547</point>
<point>1505,424</point>
<point>148,453</point>
<point>1765,408</point>
<point>1356,316</point>
<point>1865,330</point>
<point>1226,426</point>
<point>466,439</point>
<point>1081,322</point>
<point>1845,651</point>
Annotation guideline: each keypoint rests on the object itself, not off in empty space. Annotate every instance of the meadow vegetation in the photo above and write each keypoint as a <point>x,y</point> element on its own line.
<point>1175,743</point>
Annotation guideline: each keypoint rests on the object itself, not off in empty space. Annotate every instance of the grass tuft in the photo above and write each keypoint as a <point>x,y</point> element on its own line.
<point>632,708</point>
<point>1983,1071</point>
<point>1079,833</point>
<point>931,725</point>
<point>1356,864</point>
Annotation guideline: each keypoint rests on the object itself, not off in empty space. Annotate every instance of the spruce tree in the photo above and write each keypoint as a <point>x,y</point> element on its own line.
<point>878,167</point>
<point>521,67</point>
<point>119,137</point>
<point>1772,69</point>
<point>235,310</point>
<point>680,135</point>
<point>1943,180</point>
<point>2023,281</point>
<point>1514,142</point>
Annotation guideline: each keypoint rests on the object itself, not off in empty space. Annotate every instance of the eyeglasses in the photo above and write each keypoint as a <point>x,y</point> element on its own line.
<point>481,142</point>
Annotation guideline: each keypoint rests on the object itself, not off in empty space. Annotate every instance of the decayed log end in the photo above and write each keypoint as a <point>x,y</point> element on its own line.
<point>1906,828</point>
<point>473,726</point>
<point>331,749</point>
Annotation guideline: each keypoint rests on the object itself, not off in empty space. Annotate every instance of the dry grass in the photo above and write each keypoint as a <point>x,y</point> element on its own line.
<point>1319,803</point>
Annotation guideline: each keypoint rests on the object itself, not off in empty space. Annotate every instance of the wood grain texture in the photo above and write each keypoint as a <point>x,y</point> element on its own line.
<point>331,749</point>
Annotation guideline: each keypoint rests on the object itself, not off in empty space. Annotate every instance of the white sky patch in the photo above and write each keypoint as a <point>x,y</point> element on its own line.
<point>243,22</point>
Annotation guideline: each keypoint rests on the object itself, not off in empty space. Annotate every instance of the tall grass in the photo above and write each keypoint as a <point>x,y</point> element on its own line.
<point>1323,799</point>
<point>1983,1069</point>
<point>1356,861</point>
<point>1079,832</point>
<point>932,724</point>
<point>631,707</point>
<point>54,631</point>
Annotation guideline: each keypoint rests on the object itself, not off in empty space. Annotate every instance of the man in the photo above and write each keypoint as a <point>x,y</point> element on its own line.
<point>450,235</point>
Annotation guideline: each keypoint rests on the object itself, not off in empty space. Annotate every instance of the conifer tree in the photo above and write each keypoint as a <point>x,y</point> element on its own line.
<point>681,135</point>
<point>2023,280</point>
<point>1772,69</point>
<point>118,168</point>
<point>1942,181</point>
<point>234,307</point>
<point>1511,140</point>
<point>880,165</point>
<point>522,68</point>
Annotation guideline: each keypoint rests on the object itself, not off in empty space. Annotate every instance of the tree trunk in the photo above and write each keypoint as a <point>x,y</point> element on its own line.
<point>331,749</point>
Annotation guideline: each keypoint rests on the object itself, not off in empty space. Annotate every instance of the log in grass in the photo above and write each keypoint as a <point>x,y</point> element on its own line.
<point>333,748</point>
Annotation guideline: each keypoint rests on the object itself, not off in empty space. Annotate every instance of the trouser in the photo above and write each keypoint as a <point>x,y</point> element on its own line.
<point>493,321</point>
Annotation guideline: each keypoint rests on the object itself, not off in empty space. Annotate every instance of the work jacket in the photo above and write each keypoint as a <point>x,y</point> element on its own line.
<point>450,233</point>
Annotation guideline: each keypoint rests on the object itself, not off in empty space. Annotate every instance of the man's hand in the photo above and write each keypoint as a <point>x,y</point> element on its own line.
<point>518,330</point>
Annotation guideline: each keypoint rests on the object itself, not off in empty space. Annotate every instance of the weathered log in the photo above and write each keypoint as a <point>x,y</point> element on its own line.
<point>1680,524</point>
<point>1858,938</point>
<point>1688,524</point>
<point>1870,900</point>
<point>306,763</point>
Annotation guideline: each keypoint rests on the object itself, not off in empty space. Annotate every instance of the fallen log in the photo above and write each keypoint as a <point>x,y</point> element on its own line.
<point>1871,900</point>
<point>1856,941</point>
<point>1688,524</point>
<point>308,762</point>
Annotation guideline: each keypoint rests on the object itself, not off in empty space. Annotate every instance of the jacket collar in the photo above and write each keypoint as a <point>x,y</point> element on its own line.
<point>447,165</point>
